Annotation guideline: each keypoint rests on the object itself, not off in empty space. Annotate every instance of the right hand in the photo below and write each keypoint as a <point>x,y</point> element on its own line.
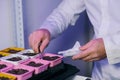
<point>41,35</point>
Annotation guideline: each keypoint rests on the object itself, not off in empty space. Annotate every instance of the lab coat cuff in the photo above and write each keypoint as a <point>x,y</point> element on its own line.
<point>53,31</point>
<point>112,55</point>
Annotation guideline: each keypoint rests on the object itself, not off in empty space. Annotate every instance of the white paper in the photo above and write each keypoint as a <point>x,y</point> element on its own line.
<point>27,51</point>
<point>73,51</point>
<point>78,77</point>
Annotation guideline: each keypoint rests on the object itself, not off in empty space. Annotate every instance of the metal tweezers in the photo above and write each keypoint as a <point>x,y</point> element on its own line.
<point>39,51</point>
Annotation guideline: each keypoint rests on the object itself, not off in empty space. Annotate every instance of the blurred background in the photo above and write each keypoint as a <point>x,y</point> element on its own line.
<point>34,12</point>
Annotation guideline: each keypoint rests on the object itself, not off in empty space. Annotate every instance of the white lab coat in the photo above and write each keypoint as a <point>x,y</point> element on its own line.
<point>105,17</point>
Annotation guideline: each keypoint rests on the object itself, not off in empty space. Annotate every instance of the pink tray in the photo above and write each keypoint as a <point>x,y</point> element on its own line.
<point>24,76</point>
<point>53,62</point>
<point>8,66</point>
<point>38,69</point>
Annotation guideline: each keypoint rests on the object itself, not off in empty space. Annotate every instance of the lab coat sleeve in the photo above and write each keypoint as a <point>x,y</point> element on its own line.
<point>66,13</point>
<point>112,46</point>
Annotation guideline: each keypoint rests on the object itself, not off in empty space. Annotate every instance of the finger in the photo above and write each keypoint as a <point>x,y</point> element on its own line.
<point>91,60</point>
<point>44,44</point>
<point>30,40</point>
<point>81,55</point>
<point>35,45</point>
<point>87,58</point>
<point>90,57</point>
<point>86,45</point>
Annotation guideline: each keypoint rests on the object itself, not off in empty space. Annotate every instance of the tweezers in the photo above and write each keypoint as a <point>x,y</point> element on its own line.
<point>39,51</point>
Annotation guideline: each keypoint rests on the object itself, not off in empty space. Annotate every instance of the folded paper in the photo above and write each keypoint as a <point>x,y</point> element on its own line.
<point>70,52</point>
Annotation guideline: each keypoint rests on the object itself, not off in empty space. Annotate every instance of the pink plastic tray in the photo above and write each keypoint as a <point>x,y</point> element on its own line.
<point>53,62</point>
<point>40,69</point>
<point>24,76</point>
<point>8,66</point>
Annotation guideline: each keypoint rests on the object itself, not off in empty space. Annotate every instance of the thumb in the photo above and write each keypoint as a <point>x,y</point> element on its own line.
<point>87,45</point>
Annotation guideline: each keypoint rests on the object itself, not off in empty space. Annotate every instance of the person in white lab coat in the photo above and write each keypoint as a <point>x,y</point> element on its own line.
<point>103,49</point>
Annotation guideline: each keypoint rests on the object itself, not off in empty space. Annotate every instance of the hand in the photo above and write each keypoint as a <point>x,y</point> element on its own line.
<point>41,35</point>
<point>92,51</point>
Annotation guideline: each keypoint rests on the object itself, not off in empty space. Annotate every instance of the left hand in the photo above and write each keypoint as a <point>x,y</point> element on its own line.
<point>92,51</point>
